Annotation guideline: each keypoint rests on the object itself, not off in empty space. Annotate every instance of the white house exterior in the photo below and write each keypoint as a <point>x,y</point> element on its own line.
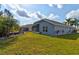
<point>46,26</point>
<point>26,28</point>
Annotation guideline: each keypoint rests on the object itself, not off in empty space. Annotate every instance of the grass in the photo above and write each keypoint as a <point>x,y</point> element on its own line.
<point>38,44</point>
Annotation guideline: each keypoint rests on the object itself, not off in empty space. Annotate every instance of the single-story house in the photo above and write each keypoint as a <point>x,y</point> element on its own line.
<point>26,28</point>
<point>50,27</point>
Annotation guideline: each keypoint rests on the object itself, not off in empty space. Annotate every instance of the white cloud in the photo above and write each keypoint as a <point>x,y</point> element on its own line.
<point>51,5</point>
<point>22,13</point>
<point>37,15</point>
<point>33,14</point>
<point>40,15</point>
<point>19,10</point>
<point>56,5</point>
<point>59,6</point>
<point>53,17</point>
<point>73,14</point>
<point>12,6</point>
<point>16,9</point>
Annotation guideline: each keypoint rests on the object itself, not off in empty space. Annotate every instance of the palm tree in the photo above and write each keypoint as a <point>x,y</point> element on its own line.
<point>67,21</point>
<point>71,21</point>
<point>76,22</point>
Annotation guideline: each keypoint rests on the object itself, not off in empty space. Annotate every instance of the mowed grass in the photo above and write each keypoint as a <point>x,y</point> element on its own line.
<point>38,44</point>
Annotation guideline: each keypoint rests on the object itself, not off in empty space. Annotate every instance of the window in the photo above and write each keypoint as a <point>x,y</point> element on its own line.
<point>45,28</point>
<point>70,30</point>
<point>62,31</point>
<point>57,31</point>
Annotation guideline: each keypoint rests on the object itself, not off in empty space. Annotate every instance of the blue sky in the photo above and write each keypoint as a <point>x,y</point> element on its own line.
<point>29,13</point>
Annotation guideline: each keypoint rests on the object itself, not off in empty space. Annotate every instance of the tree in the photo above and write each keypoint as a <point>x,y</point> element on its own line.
<point>72,21</point>
<point>1,13</point>
<point>7,25</point>
<point>12,20</point>
<point>8,13</point>
<point>68,21</point>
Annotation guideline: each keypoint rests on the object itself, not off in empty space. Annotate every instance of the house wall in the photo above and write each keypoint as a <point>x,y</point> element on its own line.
<point>26,28</point>
<point>50,28</point>
<point>64,30</point>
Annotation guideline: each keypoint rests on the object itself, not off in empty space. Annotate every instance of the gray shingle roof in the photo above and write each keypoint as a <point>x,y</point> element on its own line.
<point>55,23</point>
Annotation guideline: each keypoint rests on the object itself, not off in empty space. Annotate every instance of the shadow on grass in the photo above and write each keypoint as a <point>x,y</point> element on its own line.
<point>66,36</point>
<point>6,42</point>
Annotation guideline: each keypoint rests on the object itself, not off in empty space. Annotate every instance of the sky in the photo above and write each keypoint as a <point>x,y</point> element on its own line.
<point>30,13</point>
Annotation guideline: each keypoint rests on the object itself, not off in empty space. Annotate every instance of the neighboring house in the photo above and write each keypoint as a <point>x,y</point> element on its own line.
<point>26,28</point>
<point>46,26</point>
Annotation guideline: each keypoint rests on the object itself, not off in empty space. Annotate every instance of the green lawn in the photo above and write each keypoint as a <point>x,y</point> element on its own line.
<point>36,44</point>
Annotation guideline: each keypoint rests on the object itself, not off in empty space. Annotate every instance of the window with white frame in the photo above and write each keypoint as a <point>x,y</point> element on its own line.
<point>45,29</point>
